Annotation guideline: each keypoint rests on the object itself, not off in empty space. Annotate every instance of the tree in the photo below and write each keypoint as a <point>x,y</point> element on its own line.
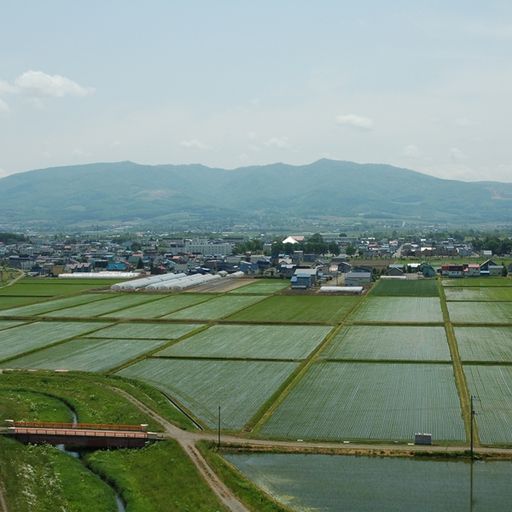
<point>350,250</point>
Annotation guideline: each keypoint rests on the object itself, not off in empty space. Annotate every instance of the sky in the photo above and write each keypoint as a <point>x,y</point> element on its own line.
<point>425,85</point>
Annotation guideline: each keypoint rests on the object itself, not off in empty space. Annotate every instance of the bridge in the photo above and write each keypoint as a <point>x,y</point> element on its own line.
<point>81,435</point>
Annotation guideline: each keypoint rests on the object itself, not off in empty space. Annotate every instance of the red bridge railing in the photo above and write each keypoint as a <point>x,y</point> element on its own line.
<point>79,426</point>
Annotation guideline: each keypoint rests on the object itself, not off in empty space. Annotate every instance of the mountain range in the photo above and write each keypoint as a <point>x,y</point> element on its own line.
<point>126,193</point>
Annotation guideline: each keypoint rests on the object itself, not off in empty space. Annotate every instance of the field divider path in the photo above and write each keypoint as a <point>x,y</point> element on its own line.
<point>284,390</point>
<point>187,442</point>
<point>458,371</point>
<point>50,345</point>
<point>150,353</point>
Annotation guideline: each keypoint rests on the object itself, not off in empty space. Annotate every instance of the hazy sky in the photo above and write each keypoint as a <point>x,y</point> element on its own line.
<point>420,84</point>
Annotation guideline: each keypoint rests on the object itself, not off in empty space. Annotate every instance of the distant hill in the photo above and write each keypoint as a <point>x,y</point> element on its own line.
<point>199,196</point>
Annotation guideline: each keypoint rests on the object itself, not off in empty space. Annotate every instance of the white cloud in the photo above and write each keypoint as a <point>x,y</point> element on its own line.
<point>411,151</point>
<point>6,87</point>
<point>457,154</point>
<point>194,144</point>
<point>3,106</point>
<point>463,122</point>
<point>355,121</point>
<point>278,142</point>
<point>39,84</point>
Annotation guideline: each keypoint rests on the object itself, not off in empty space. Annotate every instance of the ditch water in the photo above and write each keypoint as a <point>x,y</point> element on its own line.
<point>358,484</point>
<point>121,506</point>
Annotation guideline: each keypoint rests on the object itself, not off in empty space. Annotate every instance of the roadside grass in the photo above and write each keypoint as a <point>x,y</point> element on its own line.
<point>247,492</point>
<point>43,479</point>
<point>157,478</point>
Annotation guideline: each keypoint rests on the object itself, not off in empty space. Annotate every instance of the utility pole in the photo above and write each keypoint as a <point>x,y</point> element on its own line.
<point>218,432</point>
<point>471,427</point>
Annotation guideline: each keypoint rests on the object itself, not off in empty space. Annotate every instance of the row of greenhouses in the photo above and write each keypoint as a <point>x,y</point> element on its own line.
<point>171,282</point>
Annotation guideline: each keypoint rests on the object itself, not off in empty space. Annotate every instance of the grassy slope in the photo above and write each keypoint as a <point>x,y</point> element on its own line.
<point>157,478</point>
<point>42,479</point>
<point>252,497</point>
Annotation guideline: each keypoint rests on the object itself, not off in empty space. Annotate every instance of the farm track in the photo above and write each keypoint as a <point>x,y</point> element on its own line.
<point>3,504</point>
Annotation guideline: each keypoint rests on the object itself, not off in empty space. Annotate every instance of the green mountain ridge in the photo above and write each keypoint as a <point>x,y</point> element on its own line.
<point>126,192</point>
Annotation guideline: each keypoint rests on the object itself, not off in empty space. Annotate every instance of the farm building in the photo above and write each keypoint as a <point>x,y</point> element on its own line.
<point>427,270</point>
<point>304,278</point>
<point>452,270</point>
<point>357,278</point>
<point>395,270</point>
<point>473,270</point>
<point>495,270</point>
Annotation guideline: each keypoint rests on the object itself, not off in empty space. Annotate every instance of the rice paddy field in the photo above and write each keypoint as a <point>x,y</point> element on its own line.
<point>219,307</point>
<point>6,324</point>
<point>491,385</point>
<point>299,309</point>
<point>330,483</point>
<point>262,287</point>
<point>400,310</point>
<point>478,282</point>
<point>100,308</point>
<point>36,335</point>
<point>370,342</point>
<point>242,349</point>
<point>49,288</point>
<point>240,388</point>
<point>406,288</point>
<point>336,401</point>
<point>7,302</point>
<point>52,305</point>
<point>161,307</point>
<point>480,312</point>
<point>84,354</point>
<point>486,344</point>
<point>251,342</point>
<point>472,293</point>
<point>146,331</point>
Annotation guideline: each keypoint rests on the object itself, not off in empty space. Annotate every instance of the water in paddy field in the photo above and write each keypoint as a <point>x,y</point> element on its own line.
<point>361,484</point>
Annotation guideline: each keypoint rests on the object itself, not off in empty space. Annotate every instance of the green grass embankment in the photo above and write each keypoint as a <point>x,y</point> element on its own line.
<point>157,478</point>
<point>248,493</point>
